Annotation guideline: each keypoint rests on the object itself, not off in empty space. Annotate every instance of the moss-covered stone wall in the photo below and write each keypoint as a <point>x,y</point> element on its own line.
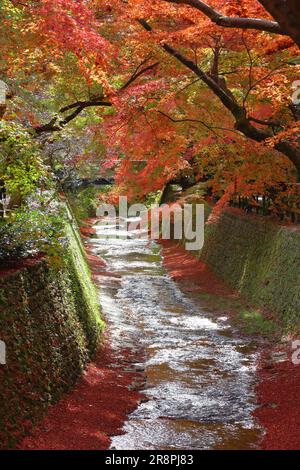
<point>51,325</point>
<point>259,259</point>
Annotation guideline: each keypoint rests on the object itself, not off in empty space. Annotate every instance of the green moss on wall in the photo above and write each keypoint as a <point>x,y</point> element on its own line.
<point>260,260</point>
<point>50,322</point>
<point>257,258</point>
<point>85,293</point>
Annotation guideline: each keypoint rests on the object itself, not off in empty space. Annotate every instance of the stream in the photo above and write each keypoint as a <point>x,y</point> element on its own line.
<point>199,371</point>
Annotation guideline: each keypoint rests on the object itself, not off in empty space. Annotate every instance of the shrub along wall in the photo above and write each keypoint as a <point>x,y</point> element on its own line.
<point>259,259</point>
<point>50,322</point>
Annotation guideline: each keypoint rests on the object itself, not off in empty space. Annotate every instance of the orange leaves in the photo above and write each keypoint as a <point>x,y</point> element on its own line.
<point>151,153</point>
<point>76,30</point>
<point>290,133</point>
<point>251,68</point>
<point>167,119</point>
<point>49,31</point>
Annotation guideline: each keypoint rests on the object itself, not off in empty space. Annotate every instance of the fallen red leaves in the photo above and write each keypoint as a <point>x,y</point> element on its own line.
<point>95,410</point>
<point>99,404</point>
<point>278,394</point>
<point>191,271</point>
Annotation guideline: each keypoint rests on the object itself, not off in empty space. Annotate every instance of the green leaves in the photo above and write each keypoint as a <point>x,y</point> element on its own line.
<point>21,165</point>
<point>32,229</point>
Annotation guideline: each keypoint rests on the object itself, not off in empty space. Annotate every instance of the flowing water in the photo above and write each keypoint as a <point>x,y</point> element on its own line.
<point>200,374</point>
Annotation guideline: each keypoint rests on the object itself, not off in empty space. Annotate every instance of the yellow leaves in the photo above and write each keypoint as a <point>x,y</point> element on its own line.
<point>29,27</point>
<point>54,68</point>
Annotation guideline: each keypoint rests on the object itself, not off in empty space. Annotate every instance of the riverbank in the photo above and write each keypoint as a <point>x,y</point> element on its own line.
<point>278,379</point>
<point>99,404</point>
<point>50,324</point>
<point>94,411</point>
<point>192,397</point>
<point>104,396</point>
<point>259,259</point>
<point>278,395</point>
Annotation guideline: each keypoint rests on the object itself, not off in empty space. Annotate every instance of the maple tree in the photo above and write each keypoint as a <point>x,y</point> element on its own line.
<point>256,90</point>
<point>286,14</point>
<point>159,87</point>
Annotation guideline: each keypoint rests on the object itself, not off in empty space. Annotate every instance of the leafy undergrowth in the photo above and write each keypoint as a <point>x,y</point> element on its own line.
<point>35,228</point>
<point>84,202</point>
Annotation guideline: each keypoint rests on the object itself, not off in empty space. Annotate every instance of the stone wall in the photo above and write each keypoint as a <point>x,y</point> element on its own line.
<point>50,323</point>
<point>259,259</point>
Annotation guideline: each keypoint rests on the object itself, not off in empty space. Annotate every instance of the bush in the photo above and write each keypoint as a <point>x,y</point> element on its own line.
<point>84,202</point>
<point>32,229</point>
<point>22,169</point>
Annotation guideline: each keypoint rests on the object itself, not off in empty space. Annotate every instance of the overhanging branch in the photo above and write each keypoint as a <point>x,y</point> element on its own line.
<point>56,123</point>
<point>242,121</point>
<point>207,126</point>
<point>232,21</point>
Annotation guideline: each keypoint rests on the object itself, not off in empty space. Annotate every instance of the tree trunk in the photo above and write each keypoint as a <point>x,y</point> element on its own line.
<point>292,153</point>
<point>287,14</point>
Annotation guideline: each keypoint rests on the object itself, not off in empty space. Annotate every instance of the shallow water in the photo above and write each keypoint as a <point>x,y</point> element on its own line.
<point>200,374</point>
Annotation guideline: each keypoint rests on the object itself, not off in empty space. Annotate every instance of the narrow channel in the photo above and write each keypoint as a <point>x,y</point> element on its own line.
<point>199,370</point>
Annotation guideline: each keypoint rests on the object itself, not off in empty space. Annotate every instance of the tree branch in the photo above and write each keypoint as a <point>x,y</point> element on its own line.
<point>56,125</point>
<point>287,14</point>
<point>228,100</point>
<point>207,126</point>
<point>242,122</point>
<point>232,21</point>
<point>264,123</point>
<point>85,104</point>
<point>137,74</point>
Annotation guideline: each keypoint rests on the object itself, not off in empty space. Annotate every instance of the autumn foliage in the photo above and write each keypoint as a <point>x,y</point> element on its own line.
<point>155,89</point>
